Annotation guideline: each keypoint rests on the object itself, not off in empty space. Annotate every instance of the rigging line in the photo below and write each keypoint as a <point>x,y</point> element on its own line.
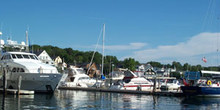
<point>94,51</point>
<point>206,15</point>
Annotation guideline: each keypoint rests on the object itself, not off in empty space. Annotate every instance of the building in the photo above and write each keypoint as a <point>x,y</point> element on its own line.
<point>60,63</point>
<point>44,57</point>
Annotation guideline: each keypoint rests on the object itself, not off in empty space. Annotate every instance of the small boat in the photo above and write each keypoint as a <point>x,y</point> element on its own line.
<point>77,77</point>
<point>195,85</point>
<point>132,82</point>
<point>170,84</point>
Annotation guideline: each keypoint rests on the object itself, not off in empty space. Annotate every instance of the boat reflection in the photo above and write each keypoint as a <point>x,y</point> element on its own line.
<point>203,102</point>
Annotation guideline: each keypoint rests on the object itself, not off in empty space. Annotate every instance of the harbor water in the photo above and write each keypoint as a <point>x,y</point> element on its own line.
<point>85,100</point>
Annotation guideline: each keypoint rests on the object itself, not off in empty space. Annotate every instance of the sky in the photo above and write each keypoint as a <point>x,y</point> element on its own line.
<point>146,30</point>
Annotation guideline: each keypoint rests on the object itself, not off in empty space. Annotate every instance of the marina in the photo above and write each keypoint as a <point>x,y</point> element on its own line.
<point>104,55</point>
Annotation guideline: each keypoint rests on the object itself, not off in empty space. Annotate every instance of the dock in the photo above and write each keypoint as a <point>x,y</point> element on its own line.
<point>157,93</point>
<point>15,92</point>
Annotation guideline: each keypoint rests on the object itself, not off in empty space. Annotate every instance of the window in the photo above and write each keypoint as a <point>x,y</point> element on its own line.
<point>13,56</point>
<point>35,57</point>
<point>19,56</point>
<point>26,56</point>
<point>14,70</point>
<point>32,57</point>
<point>21,70</point>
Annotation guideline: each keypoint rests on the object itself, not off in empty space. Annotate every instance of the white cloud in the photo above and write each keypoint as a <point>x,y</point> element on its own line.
<point>199,45</point>
<point>131,46</point>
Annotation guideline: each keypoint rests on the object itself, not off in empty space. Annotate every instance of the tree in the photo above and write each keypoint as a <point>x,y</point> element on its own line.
<point>177,65</point>
<point>155,64</point>
<point>130,63</point>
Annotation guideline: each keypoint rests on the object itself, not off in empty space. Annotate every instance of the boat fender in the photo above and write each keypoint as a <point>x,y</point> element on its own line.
<point>209,82</point>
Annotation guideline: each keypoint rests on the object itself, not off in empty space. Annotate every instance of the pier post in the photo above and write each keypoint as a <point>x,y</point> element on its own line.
<point>19,84</point>
<point>155,81</point>
<point>4,81</point>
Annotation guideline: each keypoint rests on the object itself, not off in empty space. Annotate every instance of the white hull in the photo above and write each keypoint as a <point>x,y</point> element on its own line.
<point>46,82</point>
<point>132,87</point>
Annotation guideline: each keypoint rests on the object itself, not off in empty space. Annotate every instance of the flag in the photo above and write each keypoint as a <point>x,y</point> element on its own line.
<point>204,59</point>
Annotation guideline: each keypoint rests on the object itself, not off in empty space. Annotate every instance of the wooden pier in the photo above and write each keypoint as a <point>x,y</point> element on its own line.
<point>16,92</point>
<point>157,92</point>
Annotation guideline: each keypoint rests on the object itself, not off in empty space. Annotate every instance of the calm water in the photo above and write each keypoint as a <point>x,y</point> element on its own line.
<point>81,100</point>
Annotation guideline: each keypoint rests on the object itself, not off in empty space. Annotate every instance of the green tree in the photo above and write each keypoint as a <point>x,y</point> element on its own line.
<point>130,63</point>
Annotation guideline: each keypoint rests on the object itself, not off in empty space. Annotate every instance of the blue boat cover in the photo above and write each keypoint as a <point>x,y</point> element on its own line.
<point>192,75</point>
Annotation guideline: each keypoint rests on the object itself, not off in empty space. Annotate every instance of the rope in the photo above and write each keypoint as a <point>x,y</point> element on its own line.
<point>94,52</point>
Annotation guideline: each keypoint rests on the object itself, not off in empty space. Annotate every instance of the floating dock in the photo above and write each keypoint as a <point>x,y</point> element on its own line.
<point>15,92</point>
<point>158,92</point>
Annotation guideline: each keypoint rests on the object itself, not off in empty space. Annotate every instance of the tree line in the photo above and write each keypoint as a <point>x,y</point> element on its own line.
<point>71,56</point>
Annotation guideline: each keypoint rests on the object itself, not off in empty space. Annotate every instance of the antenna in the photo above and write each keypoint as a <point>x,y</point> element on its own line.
<point>27,48</point>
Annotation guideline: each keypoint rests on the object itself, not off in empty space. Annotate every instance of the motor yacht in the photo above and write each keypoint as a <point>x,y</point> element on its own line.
<point>77,77</point>
<point>35,75</point>
<point>132,82</point>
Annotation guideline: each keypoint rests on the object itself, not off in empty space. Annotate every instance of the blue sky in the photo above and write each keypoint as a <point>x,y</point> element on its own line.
<point>147,30</point>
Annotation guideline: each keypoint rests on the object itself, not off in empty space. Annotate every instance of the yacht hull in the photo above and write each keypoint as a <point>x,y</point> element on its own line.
<point>37,82</point>
<point>200,91</point>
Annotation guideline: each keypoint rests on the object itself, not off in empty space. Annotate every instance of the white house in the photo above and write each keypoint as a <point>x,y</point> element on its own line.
<point>44,57</point>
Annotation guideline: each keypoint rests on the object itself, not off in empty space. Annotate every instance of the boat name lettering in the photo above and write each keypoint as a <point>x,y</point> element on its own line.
<point>45,76</point>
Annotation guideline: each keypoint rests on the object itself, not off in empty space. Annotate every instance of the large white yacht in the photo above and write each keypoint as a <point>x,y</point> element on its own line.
<point>35,75</point>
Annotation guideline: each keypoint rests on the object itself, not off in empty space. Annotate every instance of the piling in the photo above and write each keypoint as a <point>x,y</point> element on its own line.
<point>19,84</point>
<point>4,82</point>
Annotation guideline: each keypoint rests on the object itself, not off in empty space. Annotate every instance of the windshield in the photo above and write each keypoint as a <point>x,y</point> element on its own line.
<point>81,71</point>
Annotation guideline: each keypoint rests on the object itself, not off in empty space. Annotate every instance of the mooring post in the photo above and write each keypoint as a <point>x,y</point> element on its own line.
<point>19,84</point>
<point>4,81</point>
<point>154,88</point>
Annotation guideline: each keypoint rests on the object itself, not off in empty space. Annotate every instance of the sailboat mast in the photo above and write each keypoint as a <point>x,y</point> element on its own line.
<point>103,47</point>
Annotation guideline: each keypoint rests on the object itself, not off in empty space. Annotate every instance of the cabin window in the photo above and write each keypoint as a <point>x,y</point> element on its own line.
<point>14,70</point>
<point>32,57</point>
<point>13,56</point>
<point>26,56</point>
<point>21,70</point>
<point>19,56</point>
<point>17,70</point>
<point>35,57</point>
<point>72,79</point>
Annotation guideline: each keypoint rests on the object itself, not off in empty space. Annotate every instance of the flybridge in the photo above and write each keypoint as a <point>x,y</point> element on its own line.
<point>14,45</point>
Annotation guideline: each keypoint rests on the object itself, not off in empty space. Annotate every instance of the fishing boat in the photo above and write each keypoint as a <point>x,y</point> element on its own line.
<point>195,84</point>
<point>132,82</point>
<point>33,74</point>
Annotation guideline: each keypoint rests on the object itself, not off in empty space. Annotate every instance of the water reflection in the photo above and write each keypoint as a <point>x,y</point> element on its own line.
<point>67,99</point>
<point>201,102</point>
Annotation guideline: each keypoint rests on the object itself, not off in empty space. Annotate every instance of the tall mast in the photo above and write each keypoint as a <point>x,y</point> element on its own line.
<point>103,39</point>
<point>27,48</point>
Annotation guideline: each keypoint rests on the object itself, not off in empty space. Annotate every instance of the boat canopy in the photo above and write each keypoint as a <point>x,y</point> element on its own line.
<point>210,72</point>
<point>192,75</point>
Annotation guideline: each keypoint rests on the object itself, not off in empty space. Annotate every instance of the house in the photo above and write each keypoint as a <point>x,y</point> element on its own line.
<point>60,63</point>
<point>44,57</point>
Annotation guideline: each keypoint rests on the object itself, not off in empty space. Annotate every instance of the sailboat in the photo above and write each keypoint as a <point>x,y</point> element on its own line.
<point>77,77</point>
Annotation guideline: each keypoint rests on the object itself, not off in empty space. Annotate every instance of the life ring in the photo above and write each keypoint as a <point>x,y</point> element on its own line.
<point>209,82</point>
